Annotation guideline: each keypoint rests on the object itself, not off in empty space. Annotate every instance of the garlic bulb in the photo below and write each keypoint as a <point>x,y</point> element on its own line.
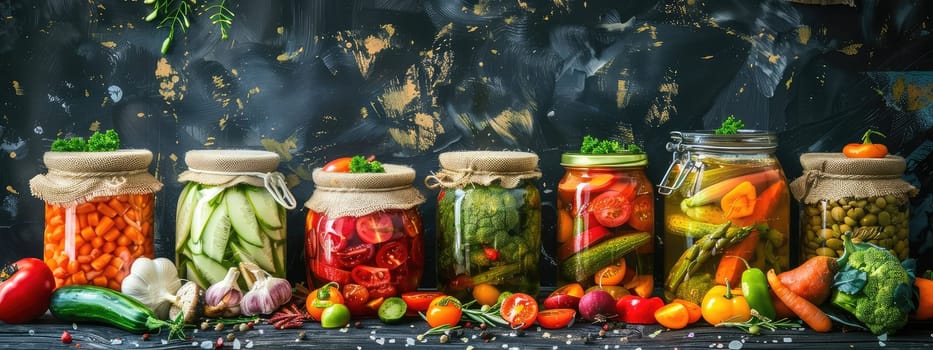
<point>154,283</point>
<point>267,293</point>
<point>223,298</point>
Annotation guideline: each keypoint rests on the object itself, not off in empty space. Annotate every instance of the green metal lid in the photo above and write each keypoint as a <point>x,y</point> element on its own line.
<point>614,160</point>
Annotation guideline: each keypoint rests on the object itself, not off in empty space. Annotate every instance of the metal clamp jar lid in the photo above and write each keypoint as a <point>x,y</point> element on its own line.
<point>683,144</point>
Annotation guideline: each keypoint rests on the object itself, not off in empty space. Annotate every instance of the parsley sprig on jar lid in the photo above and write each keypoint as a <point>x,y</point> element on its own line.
<point>606,218</point>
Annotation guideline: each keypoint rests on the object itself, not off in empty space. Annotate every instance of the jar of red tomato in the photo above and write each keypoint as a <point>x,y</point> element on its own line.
<point>488,224</point>
<point>606,222</point>
<point>364,233</point>
<point>725,200</point>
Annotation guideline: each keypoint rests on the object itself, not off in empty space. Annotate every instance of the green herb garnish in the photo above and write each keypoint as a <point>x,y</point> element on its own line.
<point>592,145</point>
<point>730,126</point>
<point>359,164</point>
<point>223,18</point>
<point>98,142</point>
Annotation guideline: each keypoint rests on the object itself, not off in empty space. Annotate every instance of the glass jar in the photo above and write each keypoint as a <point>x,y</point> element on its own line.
<point>605,208</point>
<point>863,197</point>
<point>232,210</point>
<point>488,222</point>
<point>725,197</point>
<point>98,214</point>
<point>364,232</point>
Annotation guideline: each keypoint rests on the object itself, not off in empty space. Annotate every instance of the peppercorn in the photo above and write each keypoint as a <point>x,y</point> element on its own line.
<point>205,325</point>
<point>219,327</point>
<point>444,338</point>
<point>146,336</point>
<point>231,336</point>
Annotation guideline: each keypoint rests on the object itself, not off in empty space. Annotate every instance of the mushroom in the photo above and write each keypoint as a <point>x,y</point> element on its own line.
<point>187,300</point>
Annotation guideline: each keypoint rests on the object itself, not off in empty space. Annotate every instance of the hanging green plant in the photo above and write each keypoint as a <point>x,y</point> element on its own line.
<point>174,15</point>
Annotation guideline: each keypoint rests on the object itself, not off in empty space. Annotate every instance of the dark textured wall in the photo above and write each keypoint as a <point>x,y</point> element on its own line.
<point>406,80</point>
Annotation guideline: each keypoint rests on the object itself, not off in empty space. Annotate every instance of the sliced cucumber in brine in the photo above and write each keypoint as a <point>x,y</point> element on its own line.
<point>261,256</point>
<point>242,216</point>
<point>265,207</point>
<point>192,274</point>
<point>216,234</point>
<point>184,214</point>
<point>208,269</point>
<point>202,210</point>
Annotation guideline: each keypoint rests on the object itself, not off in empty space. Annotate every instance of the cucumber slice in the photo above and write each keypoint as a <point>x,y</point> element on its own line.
<point>242,216</point>
<point>202,211</point>
<point>184,214</point>
<point>208,269</point>
<point>276,234</point>
<point>266,209</point>
<point>279,256</point>
<point>216,234</point>
<point>192,274</point>
<point>392,310</point>
<point>260,255</point>
<point>196,247</point>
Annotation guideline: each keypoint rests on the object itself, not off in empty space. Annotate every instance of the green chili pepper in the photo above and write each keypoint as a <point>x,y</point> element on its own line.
<point>755,289</point>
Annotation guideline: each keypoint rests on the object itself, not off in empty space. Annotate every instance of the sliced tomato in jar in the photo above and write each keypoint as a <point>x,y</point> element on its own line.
<point>355,296</point>
<point>556,318</point>
<point>383,291</point>
<point>354,255</point>
<point>625,186</point>
<point>329,273</point>
<point>375,228</point>
<point>411,223</point>
<point>337,233</point>
<point>612,209</point>
<point>370,276</point>
<point>611,275</point>
<point>392,255</point>
<point>581,241</point>
<point>570,186</point>
<point>642,213</point>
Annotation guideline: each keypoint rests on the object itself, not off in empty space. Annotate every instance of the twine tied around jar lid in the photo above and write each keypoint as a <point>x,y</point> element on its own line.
<point>459,169</point>
<point>338,194</point>
<point>227,168</point>
<point>833,176</point>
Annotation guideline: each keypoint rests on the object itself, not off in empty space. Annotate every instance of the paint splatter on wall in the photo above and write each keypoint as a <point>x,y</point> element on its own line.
<point>406,80</point>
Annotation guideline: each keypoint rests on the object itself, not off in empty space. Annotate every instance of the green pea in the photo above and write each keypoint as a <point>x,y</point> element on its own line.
<point>881,202</point>
<point>891,199</point>
<point>884,218</point>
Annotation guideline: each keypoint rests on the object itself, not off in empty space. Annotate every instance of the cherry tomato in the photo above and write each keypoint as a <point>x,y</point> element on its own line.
<point>370,276</point>
<point>416,252</point>
<point>355,255</point>
<point>520,310</point>
<point>356,297</point>
<point>612,209</point>
<point>642,213</point>
<point>337,233</point>
<point>411,223</point>
<point>383,291</point>
<point>572,289</point>
<point>339,165</point>
<point>444,310</point>
<point>486,294</point>
<point>625,187</point>
<point>556,318</point>
<point>329,273</point>
<point>419,301</point>
<point>392,255</point>
<point>375,228</point>
<point>322,298</point>
<point>610,275</point>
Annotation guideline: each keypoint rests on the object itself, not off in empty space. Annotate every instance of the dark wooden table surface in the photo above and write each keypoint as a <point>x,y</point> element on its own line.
<point>372,334</point>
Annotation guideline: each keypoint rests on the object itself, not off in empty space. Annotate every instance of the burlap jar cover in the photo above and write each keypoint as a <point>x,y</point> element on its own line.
<point>226,168</point>
<point>339,194</point>
<point>833,176</point>
<point>508,168</point>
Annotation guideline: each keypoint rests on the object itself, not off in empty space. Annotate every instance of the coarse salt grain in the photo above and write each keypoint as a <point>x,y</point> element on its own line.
<point>691,335</point>
<point>464,339</point>
<point>881,343</point>
<point>735,345</point>
<point>381,341</point>
<point>236,344</point>
<point>344,330</point>
<point>164,341</point>
<point>249,343</point>
<point>116,341</point>
<point>207,345</point>
<point>788,340</point>
<point>32,332</point>
<point>409,341</point>
<point>392,341</point>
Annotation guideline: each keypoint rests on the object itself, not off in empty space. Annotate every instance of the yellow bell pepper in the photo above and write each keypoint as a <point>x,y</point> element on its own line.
<point>723,304</point>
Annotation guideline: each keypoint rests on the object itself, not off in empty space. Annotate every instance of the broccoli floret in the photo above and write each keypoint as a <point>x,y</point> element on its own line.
<point>874,286</point>
<point>73,144</point>
<point>478,257</point>
<point>103,142</point>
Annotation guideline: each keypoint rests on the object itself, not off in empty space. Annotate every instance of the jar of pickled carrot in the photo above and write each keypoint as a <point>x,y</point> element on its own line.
<point>725,200</point>
<point>232,210</point>
<point>364,232</point>
<point>605,207</point>
<point>98,214</point>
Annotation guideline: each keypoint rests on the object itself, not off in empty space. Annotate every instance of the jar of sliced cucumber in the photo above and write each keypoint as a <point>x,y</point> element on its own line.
<point>231,210</point>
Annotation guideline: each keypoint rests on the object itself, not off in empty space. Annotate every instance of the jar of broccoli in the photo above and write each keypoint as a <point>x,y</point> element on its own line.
<point>726,199</point>
<point>862,197</point>
<point>232,210</point>
<point>364,232</point>
<point>605,208</point>
<point>488,222</point>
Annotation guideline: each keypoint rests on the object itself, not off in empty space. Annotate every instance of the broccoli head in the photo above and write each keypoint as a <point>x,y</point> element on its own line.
<point>874,286</point>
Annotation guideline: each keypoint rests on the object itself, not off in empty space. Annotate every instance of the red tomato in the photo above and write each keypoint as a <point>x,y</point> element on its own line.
<point>520,310</point>
<point>419,301</point>
<point>337,232</point>
<point>355,255</point>
<point>370,276</point>
<point>625,187</point>
<point>570,186</point>
<point>571,289</point>
<point>375,228</point>
<point>582,240</point>
<point>383,291</point>
<point>642,213</point>
<point>444,310</point>
<point>411,222</point>
<point>329,273</point>
<point>392,255</point>
<point>356,297</point>
<point>339,165</point>
<point>556,318</point>
<point>416,252</point>
<point>612,209</point>
<point>25,290</point>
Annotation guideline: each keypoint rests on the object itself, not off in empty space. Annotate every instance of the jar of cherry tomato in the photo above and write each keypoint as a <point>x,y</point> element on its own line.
<point>364,232</point>
<point>726,199</point>
<point>606,222</point>
<point>98,214</point>
<point>488,223</point>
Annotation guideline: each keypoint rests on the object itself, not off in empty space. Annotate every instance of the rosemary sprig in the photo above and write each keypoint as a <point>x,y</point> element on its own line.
<point>222,18</point>
<point>757,322</point>
<point>485,314</point>
<point>442,329</point>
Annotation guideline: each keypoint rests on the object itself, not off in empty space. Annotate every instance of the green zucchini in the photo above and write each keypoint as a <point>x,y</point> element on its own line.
<point>683,225</point>
<point>78,303</point>
<point>582,265</point>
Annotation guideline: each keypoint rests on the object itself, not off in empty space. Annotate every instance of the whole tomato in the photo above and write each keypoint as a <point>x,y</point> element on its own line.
<point>444,310</point>
<point>25,290</point>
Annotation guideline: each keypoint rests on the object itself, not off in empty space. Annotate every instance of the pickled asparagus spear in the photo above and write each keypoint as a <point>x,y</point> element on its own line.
<point>705,247</point>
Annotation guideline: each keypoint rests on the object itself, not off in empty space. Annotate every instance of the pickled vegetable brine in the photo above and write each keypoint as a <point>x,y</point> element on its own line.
<point>726,199</point>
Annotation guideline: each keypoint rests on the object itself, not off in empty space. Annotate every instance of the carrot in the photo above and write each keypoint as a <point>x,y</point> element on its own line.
<point>715,192</point>
<point>739,202</point>
<point>732,264</point>
<point>812,280</point>
<point>807,311</point>
<point>764,205</point>
<point>925,298</point>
